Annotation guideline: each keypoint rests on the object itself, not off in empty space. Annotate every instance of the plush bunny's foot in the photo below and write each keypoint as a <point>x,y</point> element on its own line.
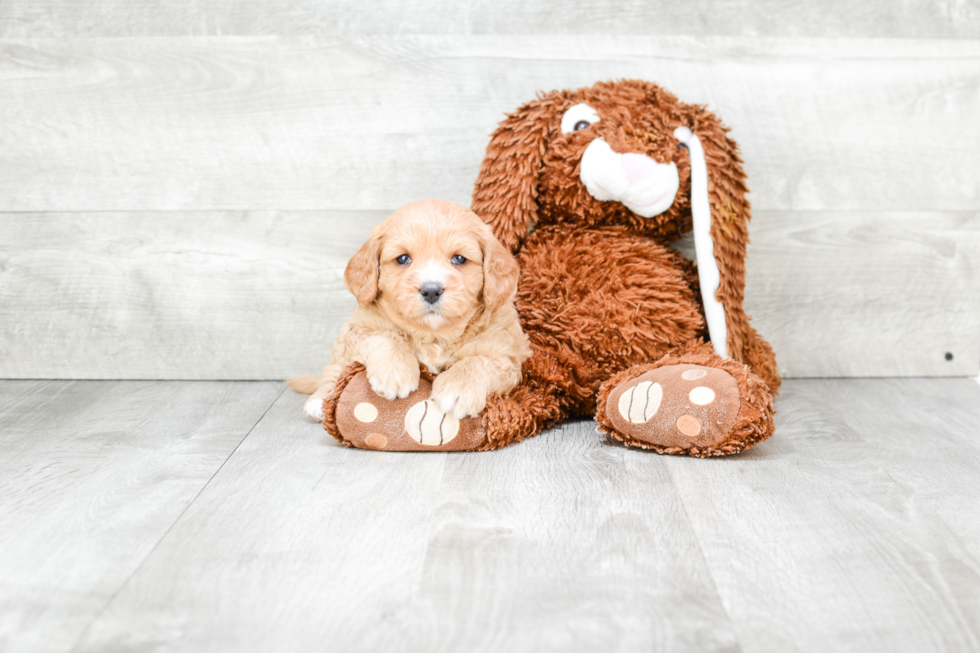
<point>359,417</point>
<point>692,402</point>
<point>676,407</point>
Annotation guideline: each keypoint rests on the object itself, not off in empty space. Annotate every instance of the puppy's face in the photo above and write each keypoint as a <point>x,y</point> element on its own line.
<point>431,272</point>
<point>435,263</point>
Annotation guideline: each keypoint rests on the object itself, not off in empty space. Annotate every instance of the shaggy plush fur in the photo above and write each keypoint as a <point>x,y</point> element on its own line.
<point>601,296</point>
<point>330,403</point>
<point>530,178</point>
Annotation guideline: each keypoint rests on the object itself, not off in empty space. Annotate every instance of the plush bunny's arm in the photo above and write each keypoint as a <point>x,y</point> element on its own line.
<point>708,274</point>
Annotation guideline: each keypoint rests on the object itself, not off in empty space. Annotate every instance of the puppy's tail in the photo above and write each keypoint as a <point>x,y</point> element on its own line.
<point>306,384</point>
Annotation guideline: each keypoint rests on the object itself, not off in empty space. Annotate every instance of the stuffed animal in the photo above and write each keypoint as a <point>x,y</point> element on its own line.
<point>589,188</point>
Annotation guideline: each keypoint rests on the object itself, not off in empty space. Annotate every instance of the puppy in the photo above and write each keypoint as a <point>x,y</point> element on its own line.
<point>433,285</point>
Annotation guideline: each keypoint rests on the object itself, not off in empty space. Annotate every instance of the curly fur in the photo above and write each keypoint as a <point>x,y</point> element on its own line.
<point>470,334</point>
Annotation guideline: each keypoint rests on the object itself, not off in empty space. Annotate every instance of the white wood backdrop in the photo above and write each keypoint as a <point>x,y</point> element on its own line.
<point>181,184</point>
<point>873,18</point>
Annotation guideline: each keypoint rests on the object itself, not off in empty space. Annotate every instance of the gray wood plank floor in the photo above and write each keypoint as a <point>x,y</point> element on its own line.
<point>92,476</point>
<point>189,516</point>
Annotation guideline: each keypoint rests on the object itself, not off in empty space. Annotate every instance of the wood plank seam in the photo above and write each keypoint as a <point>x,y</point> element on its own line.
<point>709,570</point>
<point>163,537</point>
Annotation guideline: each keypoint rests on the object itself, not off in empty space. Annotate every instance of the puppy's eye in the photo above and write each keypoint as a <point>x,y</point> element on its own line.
<point>459,259</point>
<point>581,116</point>
<point>404,259</point>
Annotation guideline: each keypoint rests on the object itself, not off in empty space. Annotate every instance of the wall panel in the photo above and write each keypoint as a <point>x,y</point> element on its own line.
<point>371,123</point>
<point>259,295</point>
<point>828,18</point>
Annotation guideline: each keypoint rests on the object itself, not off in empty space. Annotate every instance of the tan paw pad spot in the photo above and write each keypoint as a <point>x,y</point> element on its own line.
<point>428,425</point>
<point>640,403</point>
<point>365,412</point>
<point>693,374</point>
<point>702,396</point>
<point>376,440</point>
<point>688,425</point>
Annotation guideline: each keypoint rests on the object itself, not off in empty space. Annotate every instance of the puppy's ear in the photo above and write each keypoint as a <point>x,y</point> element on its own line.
<point>506,190</point>
<point>364,269</point>
<point>500,271</point>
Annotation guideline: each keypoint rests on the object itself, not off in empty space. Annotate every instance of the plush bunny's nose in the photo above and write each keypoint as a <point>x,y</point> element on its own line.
<point>431,292</point>
<point>645,187</point>
<point>637,166</point>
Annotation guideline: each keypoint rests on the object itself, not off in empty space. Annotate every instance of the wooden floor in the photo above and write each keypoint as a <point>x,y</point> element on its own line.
<point>209,516</point>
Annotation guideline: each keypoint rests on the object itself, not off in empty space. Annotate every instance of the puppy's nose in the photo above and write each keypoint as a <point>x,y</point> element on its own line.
<point>431,292</point>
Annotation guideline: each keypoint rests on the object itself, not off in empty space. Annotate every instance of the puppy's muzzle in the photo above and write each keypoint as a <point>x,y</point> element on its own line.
<point>431,292</point>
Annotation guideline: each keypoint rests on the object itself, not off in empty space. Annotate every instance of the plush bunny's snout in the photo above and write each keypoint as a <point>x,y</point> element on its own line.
<point>645,187</point>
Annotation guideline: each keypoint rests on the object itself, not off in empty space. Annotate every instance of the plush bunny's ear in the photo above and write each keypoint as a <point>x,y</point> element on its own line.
<point>709,276</point>
<point>363,270</point>
<point>506,191</point>
<point>721,214</point>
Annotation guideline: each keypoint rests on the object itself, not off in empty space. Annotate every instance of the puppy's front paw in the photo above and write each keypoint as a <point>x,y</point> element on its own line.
<point>314,405</point>
<point>314,408</point>
<point>394,379</point>
<point>458,395</point>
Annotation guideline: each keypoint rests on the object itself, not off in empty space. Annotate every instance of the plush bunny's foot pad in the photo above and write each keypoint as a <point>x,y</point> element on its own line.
<point>687,408</point>
<point>358,417</point>
<point>678,406</point>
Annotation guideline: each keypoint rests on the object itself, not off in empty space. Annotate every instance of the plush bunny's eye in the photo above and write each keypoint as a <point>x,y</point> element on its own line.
<point>581,116</point>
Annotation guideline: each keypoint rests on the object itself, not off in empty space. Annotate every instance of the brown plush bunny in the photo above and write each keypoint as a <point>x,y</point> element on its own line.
<point>590,187</point>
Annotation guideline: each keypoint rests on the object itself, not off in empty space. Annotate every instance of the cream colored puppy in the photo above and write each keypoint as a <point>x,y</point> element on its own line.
<point>433,285</point>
